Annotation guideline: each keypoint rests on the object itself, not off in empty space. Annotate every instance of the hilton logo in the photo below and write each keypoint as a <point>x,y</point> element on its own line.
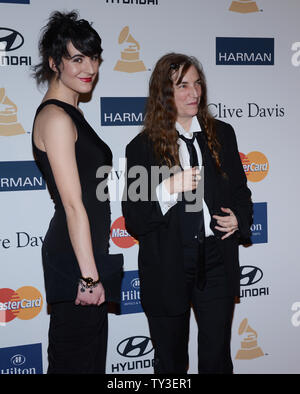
<point>130,293</point>
<point>259,227</point>
<point>21,360</point>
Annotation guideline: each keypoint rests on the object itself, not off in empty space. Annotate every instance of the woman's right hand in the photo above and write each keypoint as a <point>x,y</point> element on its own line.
<point>183,181</point>
<point>96,297</point>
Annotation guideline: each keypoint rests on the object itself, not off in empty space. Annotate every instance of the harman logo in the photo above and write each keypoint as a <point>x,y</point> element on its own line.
<point>20,175</point>
<point>15,1</point>
<point>122,111</point>
<point>11,40</point>
<point>249,347</point>
<point>130,56</point>
<point>21,360</point>
<point>296,56</point>
<point>130,293</point>
<point>135,346</point>
<point>244,51</point>
<point>243,6</point>
<point>9,124</point>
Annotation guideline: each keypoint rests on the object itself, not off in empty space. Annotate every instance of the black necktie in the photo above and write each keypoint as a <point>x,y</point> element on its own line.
<point>201,277</point>
<point>191,149</point>
<point>192,152</point>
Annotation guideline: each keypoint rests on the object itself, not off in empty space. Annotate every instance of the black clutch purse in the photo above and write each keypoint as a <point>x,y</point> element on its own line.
<point>62,273</point>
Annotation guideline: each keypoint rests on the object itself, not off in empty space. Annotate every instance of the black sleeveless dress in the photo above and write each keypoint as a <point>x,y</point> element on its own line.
<point>57,251</point>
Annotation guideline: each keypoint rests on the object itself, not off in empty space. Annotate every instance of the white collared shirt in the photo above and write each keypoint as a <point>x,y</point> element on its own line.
<point>167,200</point>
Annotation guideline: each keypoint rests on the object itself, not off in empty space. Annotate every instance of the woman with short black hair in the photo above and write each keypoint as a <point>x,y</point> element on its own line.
<point>69,152</point>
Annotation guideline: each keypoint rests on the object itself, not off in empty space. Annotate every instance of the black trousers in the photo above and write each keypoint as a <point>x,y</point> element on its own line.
<point>77,339</point>
<point>213,308</point>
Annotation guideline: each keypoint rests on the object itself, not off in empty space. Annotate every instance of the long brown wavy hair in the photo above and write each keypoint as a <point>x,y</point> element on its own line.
<point>161,111</point>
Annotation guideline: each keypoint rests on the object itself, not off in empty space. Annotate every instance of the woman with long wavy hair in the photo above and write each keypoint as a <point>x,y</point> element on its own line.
<point>193,220</point>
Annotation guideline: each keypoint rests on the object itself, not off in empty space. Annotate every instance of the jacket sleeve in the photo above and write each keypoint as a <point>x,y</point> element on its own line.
<point>241,195</point>
<point>140,207</point>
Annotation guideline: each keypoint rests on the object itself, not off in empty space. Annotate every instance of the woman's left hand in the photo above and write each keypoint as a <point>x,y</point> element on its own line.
<point>227,224</point>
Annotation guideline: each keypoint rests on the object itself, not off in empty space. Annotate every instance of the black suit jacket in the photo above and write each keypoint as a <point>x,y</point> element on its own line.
<point>160,258</point>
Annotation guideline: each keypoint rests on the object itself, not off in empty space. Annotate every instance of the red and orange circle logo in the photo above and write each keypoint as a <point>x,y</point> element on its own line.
<point>119,234</point>
<point>256,166</point>
<point>24,303</point>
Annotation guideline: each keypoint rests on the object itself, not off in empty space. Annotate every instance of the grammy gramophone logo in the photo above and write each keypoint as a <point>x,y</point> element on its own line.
<point>130,55</point>
<point>243,6</point>
<point>249,348</point>
<point>9,124</point>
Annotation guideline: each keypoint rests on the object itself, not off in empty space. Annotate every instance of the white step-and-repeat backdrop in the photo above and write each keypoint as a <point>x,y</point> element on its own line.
<point>250,51</point>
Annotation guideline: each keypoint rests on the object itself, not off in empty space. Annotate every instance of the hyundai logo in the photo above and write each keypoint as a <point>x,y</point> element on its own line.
<point>11,38</point>
<point>135,346</point>
<point>249,275</point>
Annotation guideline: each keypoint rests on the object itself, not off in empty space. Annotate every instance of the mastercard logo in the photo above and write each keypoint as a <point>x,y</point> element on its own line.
<point>24,303</point>
<point>256,166</point>
<point>120,235</point>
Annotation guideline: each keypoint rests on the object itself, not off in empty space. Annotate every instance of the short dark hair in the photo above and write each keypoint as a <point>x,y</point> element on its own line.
<point>61,29</point>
